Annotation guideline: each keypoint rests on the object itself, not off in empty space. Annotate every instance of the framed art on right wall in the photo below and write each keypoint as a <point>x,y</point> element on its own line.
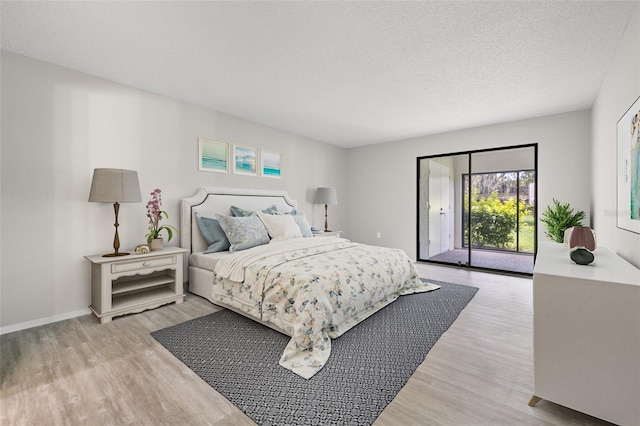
<point>271,164</point>
<point>628,170</point>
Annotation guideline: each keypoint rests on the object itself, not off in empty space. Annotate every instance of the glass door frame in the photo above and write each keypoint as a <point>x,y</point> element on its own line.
<point>469,154</point>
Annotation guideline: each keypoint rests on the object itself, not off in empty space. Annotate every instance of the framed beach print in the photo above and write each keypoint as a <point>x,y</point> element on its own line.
<point>213,156</point>
<point>245,160</point>
<point>270,163</point>
<point>628,169</point>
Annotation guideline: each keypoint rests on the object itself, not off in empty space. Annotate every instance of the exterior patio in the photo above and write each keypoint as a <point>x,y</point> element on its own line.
<point>521,263</point>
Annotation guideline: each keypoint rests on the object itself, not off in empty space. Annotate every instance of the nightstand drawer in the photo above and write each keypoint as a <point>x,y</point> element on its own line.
<point>142,264</point>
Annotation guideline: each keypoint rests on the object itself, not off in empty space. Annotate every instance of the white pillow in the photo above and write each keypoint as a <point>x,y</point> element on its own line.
<point>280,227</point>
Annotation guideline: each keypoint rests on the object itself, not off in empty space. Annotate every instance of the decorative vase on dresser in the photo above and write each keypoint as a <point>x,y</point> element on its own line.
<point>581,241</point>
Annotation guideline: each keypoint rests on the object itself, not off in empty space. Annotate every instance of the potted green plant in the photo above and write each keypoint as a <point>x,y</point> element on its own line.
<point>155,216</point>
<point>560,217</point>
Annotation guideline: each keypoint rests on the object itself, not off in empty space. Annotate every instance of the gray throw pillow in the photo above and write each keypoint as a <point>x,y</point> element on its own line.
<point>213,234</point>
<point>302,223</point>
<point>238,212</point>
<point>243,232</point>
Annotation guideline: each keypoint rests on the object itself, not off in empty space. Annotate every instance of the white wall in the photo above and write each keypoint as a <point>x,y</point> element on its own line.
<point>58,125</point>
<point>620,88</point>
<point>382,178</point>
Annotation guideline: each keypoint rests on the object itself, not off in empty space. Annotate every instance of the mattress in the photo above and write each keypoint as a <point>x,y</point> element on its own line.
<point>206,261</point>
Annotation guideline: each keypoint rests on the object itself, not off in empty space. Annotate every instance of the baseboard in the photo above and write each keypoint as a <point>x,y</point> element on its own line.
<point>42,321</point>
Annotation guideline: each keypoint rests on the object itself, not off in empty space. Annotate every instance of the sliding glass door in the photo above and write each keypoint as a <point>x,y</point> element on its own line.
<point>477,209</point>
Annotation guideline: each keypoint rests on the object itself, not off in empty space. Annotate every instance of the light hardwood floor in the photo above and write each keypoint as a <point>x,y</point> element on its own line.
<point>80,372</point>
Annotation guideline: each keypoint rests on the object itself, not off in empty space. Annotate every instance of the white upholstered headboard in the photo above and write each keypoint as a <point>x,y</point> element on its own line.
<point>208,201</point>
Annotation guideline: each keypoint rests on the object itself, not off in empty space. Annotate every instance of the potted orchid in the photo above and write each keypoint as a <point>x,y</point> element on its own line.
<point>155,216</point>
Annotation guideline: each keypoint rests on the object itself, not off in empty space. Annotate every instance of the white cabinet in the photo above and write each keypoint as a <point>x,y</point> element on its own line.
<point>129,284</point>
<point>586,331</point>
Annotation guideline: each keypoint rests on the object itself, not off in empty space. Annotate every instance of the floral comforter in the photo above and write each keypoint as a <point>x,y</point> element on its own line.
<point>315,289</point>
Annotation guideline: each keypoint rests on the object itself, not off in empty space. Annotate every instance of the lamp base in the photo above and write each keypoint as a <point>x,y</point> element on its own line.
<point>115,254</point>
<point>116,238</point>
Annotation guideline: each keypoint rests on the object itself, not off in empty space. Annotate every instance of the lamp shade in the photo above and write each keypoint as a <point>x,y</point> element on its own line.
<point>115,186</point>
<point>326,196</point>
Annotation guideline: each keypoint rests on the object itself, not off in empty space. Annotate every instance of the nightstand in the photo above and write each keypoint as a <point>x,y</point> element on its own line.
<point>130,284</point>
<point>335,234</point>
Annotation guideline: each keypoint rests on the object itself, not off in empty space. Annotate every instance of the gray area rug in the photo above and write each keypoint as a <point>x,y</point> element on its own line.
<point>368,365</point>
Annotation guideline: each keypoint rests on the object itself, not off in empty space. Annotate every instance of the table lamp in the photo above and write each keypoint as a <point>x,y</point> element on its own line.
<point>115,186</point>
<point>326,196</point>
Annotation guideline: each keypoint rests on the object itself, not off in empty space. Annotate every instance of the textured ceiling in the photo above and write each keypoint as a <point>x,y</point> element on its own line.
<point>347,73</point>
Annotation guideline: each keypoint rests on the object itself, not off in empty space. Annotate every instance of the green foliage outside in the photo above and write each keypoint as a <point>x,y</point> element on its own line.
<point>494,221</point>
<point>558,218</point>
<point>527,232</point>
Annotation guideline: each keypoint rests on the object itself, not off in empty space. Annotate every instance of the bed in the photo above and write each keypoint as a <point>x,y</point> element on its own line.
<point>313,289</point>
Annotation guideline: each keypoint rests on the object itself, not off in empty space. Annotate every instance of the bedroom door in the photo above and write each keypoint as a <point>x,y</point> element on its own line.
<point>437,217</point>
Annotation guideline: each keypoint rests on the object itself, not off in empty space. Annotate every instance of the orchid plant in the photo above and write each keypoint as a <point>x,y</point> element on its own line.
<point>155,216</point>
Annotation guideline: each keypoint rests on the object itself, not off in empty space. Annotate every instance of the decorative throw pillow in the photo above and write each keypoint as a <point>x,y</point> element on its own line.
<point>302,223</point>
<point>213,234</point>
<point>238,212</point>
<point>280,227</point>
<point>243,232</point>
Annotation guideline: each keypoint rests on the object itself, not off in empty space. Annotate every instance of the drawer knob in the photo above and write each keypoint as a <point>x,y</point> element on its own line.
<point>146,263</point>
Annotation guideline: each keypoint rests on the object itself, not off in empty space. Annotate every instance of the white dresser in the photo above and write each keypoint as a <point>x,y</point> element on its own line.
<point>586,331</point>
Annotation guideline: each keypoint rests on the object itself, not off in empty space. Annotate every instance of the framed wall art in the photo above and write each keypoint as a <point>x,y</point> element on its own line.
<point>213,156</point>
<point>245,160</point>
<point>270,164</point>
<point>628,169</point>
